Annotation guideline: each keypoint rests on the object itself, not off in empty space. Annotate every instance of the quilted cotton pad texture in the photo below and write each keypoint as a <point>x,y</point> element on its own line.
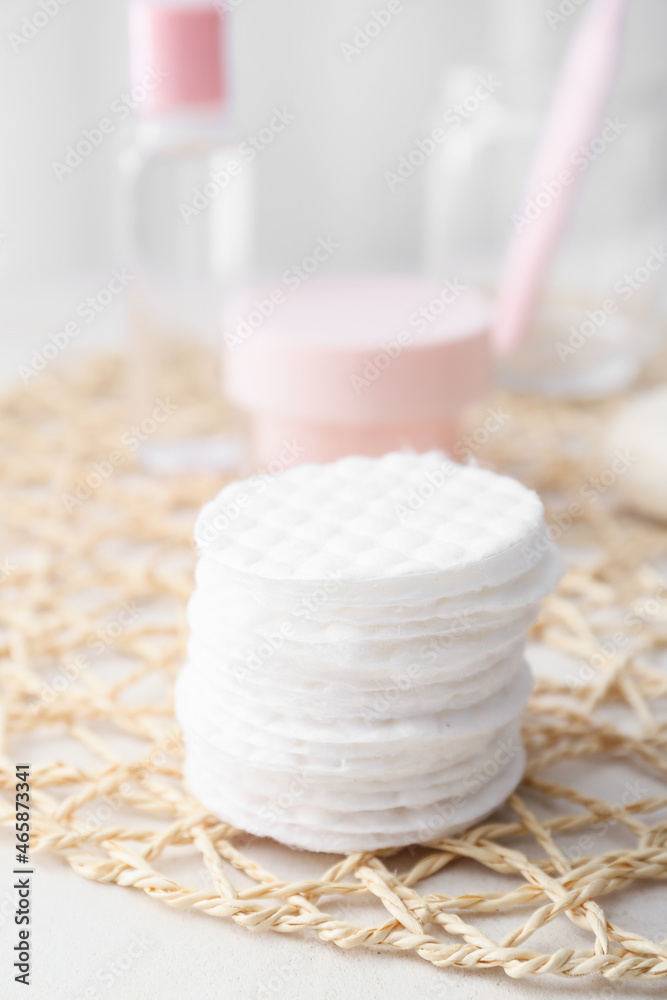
<point>352,521</point>
<point>356,637</point>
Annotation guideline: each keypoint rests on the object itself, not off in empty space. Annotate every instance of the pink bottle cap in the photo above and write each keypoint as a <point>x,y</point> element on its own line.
<point>357,365</point>
<point>182,45</point>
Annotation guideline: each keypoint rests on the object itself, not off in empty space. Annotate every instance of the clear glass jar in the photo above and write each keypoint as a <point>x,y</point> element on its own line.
<point>600,315</point>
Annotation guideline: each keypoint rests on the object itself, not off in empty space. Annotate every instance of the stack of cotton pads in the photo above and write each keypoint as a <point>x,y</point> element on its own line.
<point>355,665</point>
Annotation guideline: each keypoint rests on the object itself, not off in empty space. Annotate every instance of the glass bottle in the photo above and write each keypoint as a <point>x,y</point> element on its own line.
<point>600,314</point>
<point>188,204</point>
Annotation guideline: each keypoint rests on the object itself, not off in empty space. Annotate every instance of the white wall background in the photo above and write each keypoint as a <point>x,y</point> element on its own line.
<point>323,175</point>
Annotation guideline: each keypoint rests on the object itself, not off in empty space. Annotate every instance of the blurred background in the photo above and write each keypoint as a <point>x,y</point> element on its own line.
<point>358,99</point>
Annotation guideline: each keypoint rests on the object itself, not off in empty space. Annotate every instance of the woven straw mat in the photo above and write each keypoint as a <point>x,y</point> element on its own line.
<point>92,634</point>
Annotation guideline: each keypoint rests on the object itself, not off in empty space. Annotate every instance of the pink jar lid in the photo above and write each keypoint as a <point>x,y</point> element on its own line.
<point>183,43</point>
<point>363,350</point>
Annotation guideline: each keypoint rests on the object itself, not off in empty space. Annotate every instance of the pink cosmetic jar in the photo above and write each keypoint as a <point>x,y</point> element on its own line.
<point>356,365</point>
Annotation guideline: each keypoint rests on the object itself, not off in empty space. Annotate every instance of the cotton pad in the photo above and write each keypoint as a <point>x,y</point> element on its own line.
<point>367,662</point>
<point>304,800</point>
<point>538,579</point>
<point>355,663</point>
<point>267,721</point>
<point>444,818</point>
<point>403,694</point>
<point>254,631</point>
<point>353,521</point>
<point>383,777</point>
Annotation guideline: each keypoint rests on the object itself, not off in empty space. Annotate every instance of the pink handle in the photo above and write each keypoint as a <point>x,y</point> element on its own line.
<point>581,94</point>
